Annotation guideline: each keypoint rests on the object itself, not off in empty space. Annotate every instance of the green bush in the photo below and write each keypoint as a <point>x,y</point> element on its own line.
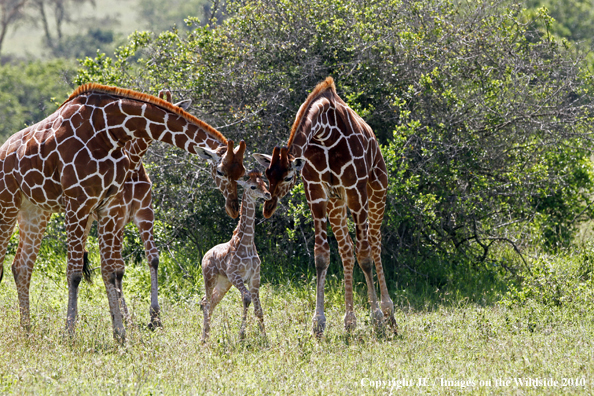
<point>484,118</point>
<point>29,92</point>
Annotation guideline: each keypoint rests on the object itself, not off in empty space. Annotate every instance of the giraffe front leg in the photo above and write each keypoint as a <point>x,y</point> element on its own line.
<point>112,266</point>
<point>246,298</point>
<point>76,218</point>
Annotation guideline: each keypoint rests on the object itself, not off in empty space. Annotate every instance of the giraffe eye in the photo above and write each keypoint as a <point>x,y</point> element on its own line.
<point>253,187</point>
<point>289,178</point>
<point>220,173</point>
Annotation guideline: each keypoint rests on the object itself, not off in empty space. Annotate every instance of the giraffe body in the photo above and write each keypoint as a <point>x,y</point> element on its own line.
<point>342,168</point>
<point>236,263</point>
<point>76,161</point>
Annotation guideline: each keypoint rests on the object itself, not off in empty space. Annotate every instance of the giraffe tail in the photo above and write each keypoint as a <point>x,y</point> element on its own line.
<point>1,272</point>
<point>87,271</point>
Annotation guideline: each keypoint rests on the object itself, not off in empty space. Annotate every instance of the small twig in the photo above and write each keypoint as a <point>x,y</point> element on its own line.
<point>515,248</point>
<point>306,243</point>
<point>186,273</point>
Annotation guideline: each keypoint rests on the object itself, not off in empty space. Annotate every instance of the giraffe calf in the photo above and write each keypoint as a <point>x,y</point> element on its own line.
<point>236,262</point>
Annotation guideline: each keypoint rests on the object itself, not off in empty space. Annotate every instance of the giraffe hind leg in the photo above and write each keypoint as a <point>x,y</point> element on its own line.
<point>8,218</point>
<point>337,216</point>
<point>32,223</point>
<point>377,199</point>
<point>87,271</point>
<point>365,260</point>
<point>216,287</point>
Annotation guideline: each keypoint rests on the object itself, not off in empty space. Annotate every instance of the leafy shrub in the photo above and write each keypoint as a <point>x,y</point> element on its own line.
<point>484,118</point>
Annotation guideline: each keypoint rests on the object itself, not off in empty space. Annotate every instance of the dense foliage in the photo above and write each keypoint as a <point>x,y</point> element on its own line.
<point>31,91</point>
<point>484,116</point>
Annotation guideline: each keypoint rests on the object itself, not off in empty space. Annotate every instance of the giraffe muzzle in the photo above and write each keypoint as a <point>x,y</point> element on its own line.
<point>232,208</point>
<point>270,207</point>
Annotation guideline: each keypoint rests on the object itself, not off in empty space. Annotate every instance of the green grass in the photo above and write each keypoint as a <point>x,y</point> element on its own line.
<point>449,337</point>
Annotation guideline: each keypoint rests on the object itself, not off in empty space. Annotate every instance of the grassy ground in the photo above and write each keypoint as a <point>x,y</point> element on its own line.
<point>449,345</point>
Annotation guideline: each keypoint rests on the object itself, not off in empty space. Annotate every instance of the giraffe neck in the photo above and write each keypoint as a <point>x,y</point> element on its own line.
<point>130,119</point>
<point>321,114</point>
<point>244,232</point>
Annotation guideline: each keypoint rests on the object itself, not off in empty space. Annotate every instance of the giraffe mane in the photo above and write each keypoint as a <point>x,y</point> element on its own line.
<point>131,94</point>
<point>327,84</point>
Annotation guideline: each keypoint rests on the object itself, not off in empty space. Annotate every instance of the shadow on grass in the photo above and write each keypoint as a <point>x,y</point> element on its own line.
<point>424,286</point>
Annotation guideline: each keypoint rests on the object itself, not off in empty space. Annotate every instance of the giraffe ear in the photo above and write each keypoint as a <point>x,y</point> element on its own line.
<point>208,154</point>
<point>242,183</point>
<point>263,159</point>
<point>297,164</point>
<point>184,104</point>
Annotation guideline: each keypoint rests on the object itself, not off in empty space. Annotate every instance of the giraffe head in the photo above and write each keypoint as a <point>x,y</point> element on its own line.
<point>281,171</point>
<point>226,163</point>
<point>226,167</point>
<point>255,186</point>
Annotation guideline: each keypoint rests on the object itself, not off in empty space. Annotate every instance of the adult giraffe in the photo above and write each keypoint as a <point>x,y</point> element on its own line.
<point>76,161</point>
<point>342,167</point>
<point>136,198</point>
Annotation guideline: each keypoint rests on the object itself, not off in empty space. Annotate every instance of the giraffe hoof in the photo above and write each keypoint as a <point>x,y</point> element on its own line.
<point>392,323</point>
<point>387,307</point>
<point>378,319</point>
<point>26,326</point>
<point>350,321</point>
<point>119,335</point>
<point>319,325</point>
<point>155,324</point>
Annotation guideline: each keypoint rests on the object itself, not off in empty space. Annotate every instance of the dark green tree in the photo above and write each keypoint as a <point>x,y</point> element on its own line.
<point>29,92</point>
<point>484,116</point>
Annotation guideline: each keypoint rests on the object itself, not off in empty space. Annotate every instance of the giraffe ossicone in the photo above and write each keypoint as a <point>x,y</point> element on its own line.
<point>236,263</point>
<point>341,167</point>
<point>77,161</point>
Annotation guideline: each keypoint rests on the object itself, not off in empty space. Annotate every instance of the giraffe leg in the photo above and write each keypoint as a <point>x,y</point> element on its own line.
<point>377,201</point>
<point>206,303</point>
<point>246,298</point>
<point>87,273</point>
<point>359,210</point>
<point>255,293</point>
<point>32,223</point>
<point>337,215</point>
<point>7,222</point>
<point>10,204</point>
<point>216,287</point>
<point>322,260</point>
<point>144,220</point>
<point>76,219</point>
<point>112,265</point>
